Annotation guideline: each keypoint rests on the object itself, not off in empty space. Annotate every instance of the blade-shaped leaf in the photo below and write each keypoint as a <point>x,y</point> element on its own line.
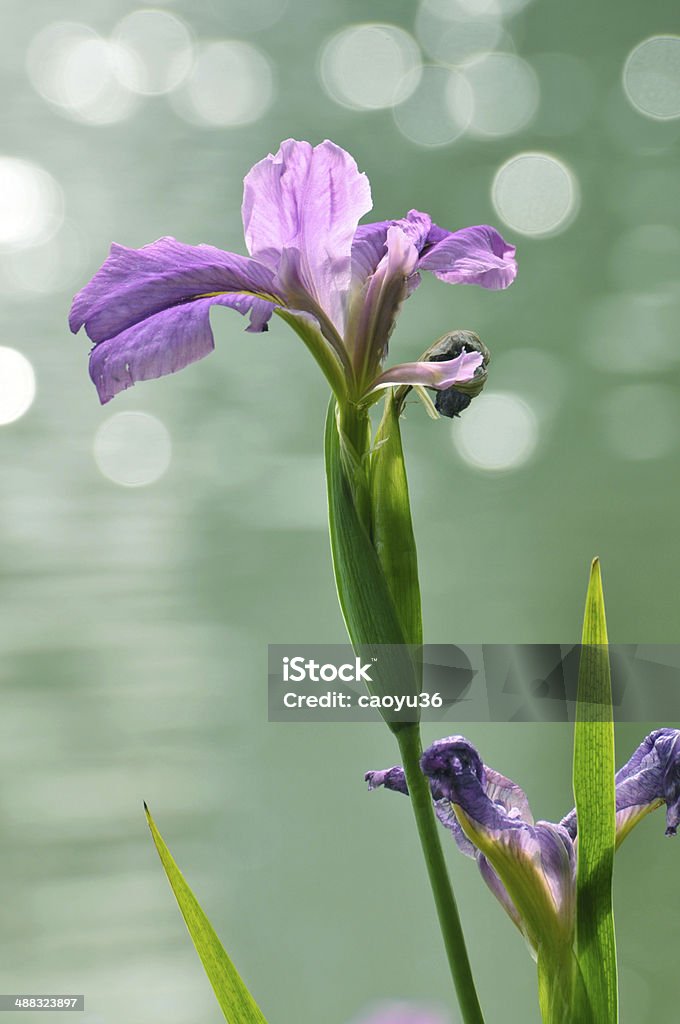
<point>236,1002</point>
<point>595,794</point>
<point>367,606</point>
<point>392,526</point>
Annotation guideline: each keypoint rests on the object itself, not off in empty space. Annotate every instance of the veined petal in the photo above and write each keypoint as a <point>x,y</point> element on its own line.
<point>391,778</point>
<point>431,375</point>
<point>376,305</point>
<point>163,343</point>
<point>534,863</point>
<point>305,202</point>
<point>133,284</point>
<point>530,868</point>
<point>370,241</point>
<point>648,780</point>
<point>476,255</point>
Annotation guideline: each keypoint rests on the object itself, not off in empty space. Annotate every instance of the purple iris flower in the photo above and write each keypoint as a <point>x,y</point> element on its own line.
<point>531,866</point>
<point>338,284</point>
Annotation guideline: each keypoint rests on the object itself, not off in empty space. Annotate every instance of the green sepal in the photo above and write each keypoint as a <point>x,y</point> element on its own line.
<point>367,606</point>
<point>392,525</point>
<point>595,795</point>
<point>236,1002</point>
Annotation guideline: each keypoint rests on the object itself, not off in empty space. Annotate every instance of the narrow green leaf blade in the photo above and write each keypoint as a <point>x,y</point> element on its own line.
<point>367,606</point>
<point>392,525</point>
<point>595,795</point>
<point>236,1002</point>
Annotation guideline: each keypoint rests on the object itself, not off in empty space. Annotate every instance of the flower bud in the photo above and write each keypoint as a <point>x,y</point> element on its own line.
<point>452,401</point>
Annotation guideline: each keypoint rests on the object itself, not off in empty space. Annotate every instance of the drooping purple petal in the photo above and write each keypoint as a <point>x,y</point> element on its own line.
<point>648,780</point>
<point>300,210</point>
<point>161,344</point>
<point>476,255</point>
<point>431,375</point>
<point>133,284</point>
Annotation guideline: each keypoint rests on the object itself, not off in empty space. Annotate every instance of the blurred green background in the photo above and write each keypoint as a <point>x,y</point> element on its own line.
<point>152,549</point>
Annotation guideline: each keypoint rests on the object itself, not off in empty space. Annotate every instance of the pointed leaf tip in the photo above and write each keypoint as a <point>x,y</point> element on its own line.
<point>594,619</point>
<point>236,1002</point>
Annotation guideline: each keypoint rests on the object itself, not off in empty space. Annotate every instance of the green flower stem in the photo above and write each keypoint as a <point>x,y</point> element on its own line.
<point>410,747</point>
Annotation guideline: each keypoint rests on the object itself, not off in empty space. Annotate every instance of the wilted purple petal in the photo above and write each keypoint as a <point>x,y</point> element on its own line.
<point>392,778</point>
<point>534,863</point>
<point>497,888</point>
<point>649,779</point>
<point>162,343</point>
<point>133,284</point>
<point>301,208</point>
<point>476,255</point>
<point>432,375</point>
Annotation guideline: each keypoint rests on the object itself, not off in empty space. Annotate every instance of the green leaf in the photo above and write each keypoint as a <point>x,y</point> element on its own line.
<point>236,1002</point>
<point>370,614</point>
<point>595,794</point>
<point>392,525</point>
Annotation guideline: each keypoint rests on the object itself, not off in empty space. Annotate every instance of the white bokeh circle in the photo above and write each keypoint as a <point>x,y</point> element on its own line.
<point>497,432</point>
<point>31,204</point>
<point>230,84</point>
<point>506,93</point>
<point>370,66</point>
<point>81,73</point>
<point>17,385</point>
<point>132,449</point>
<point>438,110</point>
<point>651,77</point>
<point>158,51</point>
<point>535,194</point>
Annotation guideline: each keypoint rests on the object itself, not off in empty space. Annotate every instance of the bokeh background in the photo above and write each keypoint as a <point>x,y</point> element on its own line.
<point>150,550</point>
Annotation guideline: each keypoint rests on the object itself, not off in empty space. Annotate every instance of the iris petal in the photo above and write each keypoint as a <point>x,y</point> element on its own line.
<point>476,255</point>
<point>431,375</point>
<point>301,208</point>
<point>648,780</point>
<point>160,344</point>
<point>133,284</point>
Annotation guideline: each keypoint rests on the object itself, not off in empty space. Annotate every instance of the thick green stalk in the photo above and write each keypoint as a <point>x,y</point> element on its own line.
<point>410,747</point>
<point>376,615</point>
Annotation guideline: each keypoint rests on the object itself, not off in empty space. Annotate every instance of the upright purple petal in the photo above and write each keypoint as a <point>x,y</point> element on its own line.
<point>301,208</point>
<point>133,284</point>
<point>477,255</point>
<point>375,306</point>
